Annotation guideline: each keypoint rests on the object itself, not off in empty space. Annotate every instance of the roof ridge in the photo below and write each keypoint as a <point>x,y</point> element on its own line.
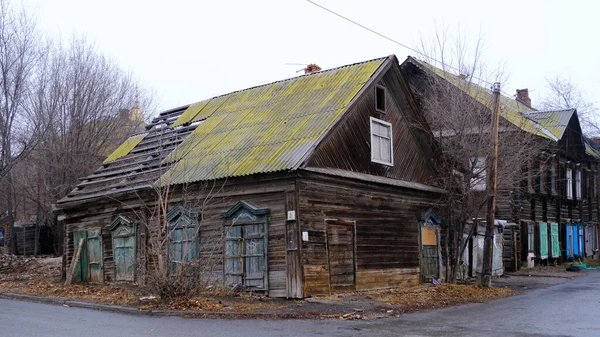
<point>293,78</point>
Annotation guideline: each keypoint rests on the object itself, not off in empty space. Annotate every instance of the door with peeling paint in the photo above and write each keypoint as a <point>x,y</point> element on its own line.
<point>89,266</point>
<point>94,255</point>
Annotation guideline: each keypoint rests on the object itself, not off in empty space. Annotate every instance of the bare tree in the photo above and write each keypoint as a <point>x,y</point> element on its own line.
<point>455,96</point>
<point>22,123</point>
<point>563,94</point>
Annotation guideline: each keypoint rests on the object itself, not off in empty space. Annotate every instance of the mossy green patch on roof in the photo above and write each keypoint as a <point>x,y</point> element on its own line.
<point>124,149</point>
<point>555,122</point>
<point>510,109</point>
<point>264,129</point>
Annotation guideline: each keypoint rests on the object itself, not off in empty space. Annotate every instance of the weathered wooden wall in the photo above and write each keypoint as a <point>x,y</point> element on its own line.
<point>266,192</point>
<point>387,244</point>
<point>348,146</point>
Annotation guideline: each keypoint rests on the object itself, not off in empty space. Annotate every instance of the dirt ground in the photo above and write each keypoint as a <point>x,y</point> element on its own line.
<point>41,277</point>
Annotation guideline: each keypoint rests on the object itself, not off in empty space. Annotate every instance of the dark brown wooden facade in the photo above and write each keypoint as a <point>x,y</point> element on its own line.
<point>339,222</point>
<point>542,197</point>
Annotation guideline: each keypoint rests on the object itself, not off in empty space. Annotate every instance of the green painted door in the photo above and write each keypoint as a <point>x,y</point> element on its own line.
<point>543,228</point>
<point>94,255</point>
<point>82,264</point>
<point>555,242</point>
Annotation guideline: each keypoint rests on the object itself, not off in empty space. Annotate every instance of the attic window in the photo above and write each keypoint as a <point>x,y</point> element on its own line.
<point>380,98</point>
<point>381,142</point>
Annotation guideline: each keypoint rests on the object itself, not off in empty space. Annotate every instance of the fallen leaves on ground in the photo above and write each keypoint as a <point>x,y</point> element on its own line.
<point>102,294</point>
<point>429,296</point>
<point>234,304</point>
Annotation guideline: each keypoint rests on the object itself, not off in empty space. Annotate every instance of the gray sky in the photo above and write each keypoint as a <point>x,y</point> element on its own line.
<point>192,50</point>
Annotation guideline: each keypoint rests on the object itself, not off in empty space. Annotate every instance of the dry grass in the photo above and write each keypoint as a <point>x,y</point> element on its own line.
<point>102,294</point>
<point>430,297</point>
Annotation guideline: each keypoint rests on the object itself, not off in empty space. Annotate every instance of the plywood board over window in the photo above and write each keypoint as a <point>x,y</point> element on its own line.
<point>429,226</point>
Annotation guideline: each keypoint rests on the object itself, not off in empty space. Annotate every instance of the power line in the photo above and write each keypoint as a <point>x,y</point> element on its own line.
<point>396,42</point>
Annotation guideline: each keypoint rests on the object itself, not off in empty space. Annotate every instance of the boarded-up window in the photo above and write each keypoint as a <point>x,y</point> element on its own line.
<point>246,246</point>
<point>381,142</point>
<point>124,248</point>
<point>245,258</point>
<point>183,237</point>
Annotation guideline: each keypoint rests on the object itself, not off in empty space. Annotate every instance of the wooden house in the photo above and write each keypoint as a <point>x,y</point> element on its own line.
<point>311,185</point>
<point>553,214</point>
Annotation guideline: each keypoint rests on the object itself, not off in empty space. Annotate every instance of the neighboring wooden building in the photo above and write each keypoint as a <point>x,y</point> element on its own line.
<point>556,208</point>
<point>311,185</point>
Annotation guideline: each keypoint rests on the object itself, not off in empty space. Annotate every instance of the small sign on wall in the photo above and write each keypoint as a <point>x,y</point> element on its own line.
<point>304,236</point>
<point>291,215</point>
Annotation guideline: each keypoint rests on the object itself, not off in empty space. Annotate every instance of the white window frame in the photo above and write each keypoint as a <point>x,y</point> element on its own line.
<point>578,178</point>
<point>389,125</point>
<point>569,176</point>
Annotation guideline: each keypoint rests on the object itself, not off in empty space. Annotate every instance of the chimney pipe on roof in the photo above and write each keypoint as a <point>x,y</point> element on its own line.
<point>311,68</point>
<point>523,96</point>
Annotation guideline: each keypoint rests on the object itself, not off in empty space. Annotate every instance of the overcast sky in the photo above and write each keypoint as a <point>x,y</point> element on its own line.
<point>192,50</point>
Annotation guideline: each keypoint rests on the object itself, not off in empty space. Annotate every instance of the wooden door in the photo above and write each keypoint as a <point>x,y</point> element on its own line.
<point>94,255</point>
<point>124,257</point>
<point>81,270</point>
<point>429,254</point>
<point>569,242</point>
<point>340,254</point>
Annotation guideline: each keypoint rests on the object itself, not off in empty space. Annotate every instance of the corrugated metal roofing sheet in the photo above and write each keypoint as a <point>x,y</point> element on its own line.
<point>266,128</point>
<point>554,121</point>
<point>125,148</point>
<point>510,109</point>
<point>591,151</point>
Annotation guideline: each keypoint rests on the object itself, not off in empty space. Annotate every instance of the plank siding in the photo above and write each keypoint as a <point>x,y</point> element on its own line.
<point>348,146</point>
<point>268,193</point>
<point>387,248</point>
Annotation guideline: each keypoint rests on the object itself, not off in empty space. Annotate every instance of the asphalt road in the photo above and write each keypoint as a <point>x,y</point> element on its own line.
<point>567,309</point>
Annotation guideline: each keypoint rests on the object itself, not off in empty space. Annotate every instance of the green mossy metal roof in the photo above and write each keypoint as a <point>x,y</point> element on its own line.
<point>125,148</point>
<point>263,129</point>
<point>510,109</point>
<point>555,122</point>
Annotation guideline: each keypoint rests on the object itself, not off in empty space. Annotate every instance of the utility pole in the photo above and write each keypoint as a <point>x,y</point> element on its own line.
<point>488,245</point>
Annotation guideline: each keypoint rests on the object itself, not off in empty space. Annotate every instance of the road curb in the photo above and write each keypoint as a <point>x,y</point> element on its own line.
<point>138,312</point>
